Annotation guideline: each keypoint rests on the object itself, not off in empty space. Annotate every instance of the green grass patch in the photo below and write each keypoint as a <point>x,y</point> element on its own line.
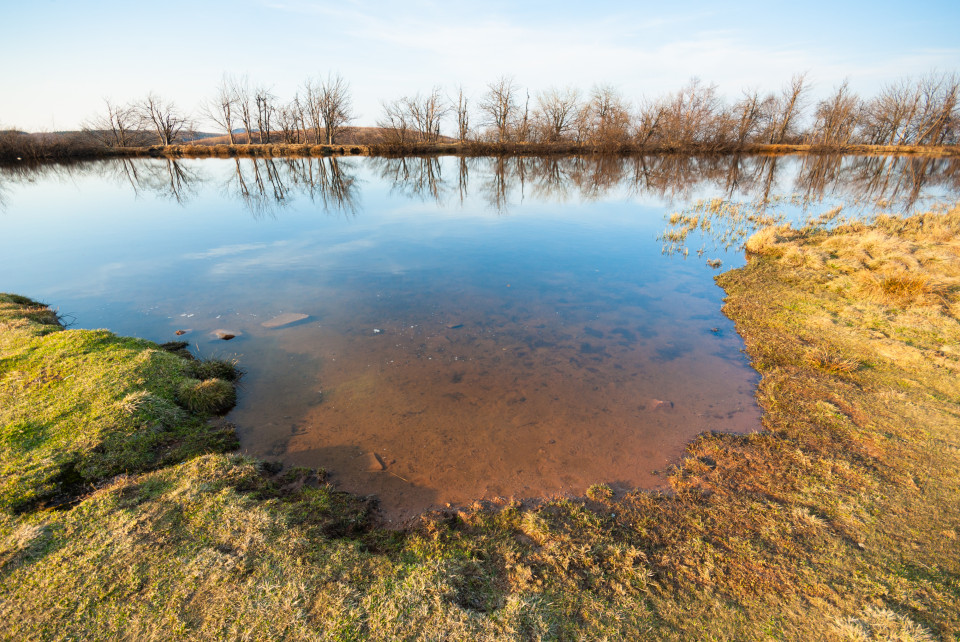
<point>80,406</point>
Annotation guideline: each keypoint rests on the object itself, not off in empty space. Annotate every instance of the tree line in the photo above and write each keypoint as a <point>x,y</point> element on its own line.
<point>920,111</point>
<point>912,111</point>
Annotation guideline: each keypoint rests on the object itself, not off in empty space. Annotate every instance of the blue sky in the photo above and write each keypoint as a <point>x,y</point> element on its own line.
<point>62,58</point>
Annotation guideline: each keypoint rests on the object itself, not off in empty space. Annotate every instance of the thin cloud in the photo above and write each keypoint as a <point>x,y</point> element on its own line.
<point>231,250</point>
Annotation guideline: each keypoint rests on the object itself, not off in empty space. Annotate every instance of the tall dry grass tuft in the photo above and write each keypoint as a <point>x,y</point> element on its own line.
<point>904,289</point>
<point>938,226</point>
<point>881,624</point>
<point>832,362</point>
<point>765,241</point>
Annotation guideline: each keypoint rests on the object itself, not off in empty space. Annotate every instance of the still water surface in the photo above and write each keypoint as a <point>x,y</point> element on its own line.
<point>480,328</point>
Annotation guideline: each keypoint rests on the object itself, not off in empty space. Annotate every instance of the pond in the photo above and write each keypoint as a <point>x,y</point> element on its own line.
<point>449,329</point>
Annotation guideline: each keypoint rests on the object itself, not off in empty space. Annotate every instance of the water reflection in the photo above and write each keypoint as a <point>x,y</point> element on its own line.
<point>165,178</point>
<point>417,177</point>
<point>266,185</point>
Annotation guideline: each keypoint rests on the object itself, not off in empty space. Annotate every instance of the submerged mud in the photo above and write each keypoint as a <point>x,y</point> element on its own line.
<point>494,395</point>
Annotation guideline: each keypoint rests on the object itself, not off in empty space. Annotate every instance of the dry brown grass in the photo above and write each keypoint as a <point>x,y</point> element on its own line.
<point>904,289</point>
<point>834,363</point>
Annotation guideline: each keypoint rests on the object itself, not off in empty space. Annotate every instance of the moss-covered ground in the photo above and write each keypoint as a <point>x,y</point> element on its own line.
<point>124,518</point>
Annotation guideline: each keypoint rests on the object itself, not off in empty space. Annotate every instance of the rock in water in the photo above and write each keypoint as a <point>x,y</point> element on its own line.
<point>372,463</point>
<point>285,319</point>
<point>226,335</point>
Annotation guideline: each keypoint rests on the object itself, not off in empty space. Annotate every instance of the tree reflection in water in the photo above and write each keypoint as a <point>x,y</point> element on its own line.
<point>266,185</point>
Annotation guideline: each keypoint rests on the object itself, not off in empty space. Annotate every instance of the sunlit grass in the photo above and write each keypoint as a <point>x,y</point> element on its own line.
<point>722,224</point>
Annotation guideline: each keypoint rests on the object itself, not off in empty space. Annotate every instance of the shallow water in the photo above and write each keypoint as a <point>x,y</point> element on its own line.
<point>479,328</point>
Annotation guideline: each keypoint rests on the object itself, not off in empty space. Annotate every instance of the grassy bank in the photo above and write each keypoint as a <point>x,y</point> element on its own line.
<point>80,407</point>
<point>473,148</point>
<point>839,520</point>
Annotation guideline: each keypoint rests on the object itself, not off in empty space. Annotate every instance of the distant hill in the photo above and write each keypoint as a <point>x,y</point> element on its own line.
<point>348,136</point>
<point>195,136</point>
<point>146,137</point>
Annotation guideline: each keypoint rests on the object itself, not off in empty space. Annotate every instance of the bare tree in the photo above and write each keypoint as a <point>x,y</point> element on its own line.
<point>288,119</point>
<point>463,116</point>
<point>500,106</point>
<point>691,117</point>
<point>555,113</point>
<point>649,122</point>
<point>312,108</point>
<point>240,88</point>
<point>300,111</point>
<point>417,116</point>
<point>609,116</point>
<point>888,117</point>
<point>333,108</point>
<point>426,112</point>
<point>747,117</point>
<point>264,100</point>
<point>522,129</point>
<point>163,117</point>
<point>582,124</point>
<point>787,110</point>
<point>938,119</point>
<point>221,108</point>
<point>395,121</point>
<point>837,118</point>
<point>117,127</point>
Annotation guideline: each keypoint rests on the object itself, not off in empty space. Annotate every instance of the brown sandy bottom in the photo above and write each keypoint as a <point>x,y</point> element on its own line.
<point>481,398</point>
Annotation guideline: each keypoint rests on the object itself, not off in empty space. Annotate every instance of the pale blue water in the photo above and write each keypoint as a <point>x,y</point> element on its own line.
<point>551,271</point>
